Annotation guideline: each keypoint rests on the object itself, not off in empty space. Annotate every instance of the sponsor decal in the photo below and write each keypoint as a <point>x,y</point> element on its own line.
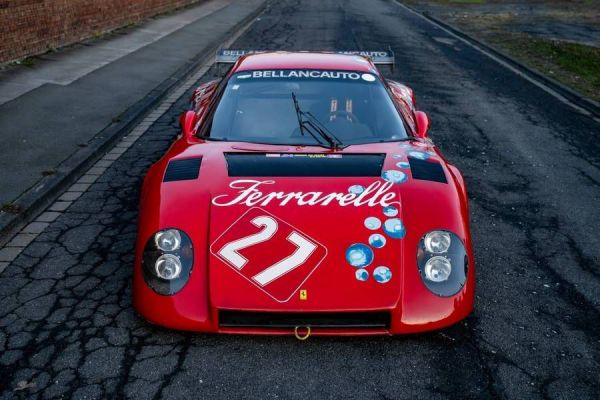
<point>236,53</point>
<point>421,155</point>
<point>360,255</point>
<point>370,54</point>
<point>271,254</point>
<point>296,155</point>
<point>307,74</point>
<point>252,192</point>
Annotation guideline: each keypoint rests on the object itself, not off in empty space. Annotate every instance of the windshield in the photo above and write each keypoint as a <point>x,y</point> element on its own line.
<point>258,106</point>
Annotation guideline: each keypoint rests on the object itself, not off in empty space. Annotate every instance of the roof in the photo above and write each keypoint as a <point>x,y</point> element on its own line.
<point>305,60</point>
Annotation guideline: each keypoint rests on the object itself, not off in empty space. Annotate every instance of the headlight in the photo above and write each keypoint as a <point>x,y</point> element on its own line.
<point>167,261</point>
<point>442,261</point>
<point>437,269</point>
<point>168,240</point>
<point>437,242</point>
<point>168,267</point>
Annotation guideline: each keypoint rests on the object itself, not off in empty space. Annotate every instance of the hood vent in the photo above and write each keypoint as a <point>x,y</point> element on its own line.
<point>303,165</point>
<point>427,170</point>
<point>182,170</point>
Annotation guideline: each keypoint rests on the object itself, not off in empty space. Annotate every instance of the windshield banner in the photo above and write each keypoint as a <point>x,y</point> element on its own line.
<point>305,74</point>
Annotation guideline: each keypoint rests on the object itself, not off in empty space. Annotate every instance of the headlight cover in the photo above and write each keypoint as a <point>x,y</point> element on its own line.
<point>168,240</point>
<point>443,262</point>
<point>167,261</point>
<point>437,242</point>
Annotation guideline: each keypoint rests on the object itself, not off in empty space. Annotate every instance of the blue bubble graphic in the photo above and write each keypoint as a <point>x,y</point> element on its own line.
<point>394,176</point>
<point>359,255</point>
<point>362,274</point>
<point>398,155</point>
<point>382,274</point>
<point>390,211</point>
<point>419,154</point>
<point>372,223</point>
<point>403,164</point>
<point>376,240</point>
<point>356,189</point>
<point>394,228</point>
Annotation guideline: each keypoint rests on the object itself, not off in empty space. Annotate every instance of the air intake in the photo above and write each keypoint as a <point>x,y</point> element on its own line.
<point>182,170</point>
<point>360,320</point>
<point>307,165</point>
<point>427,170</point>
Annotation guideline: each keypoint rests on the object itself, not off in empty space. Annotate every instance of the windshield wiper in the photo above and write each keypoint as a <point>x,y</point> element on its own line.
<point>300,122</point>
<point>309,123</point>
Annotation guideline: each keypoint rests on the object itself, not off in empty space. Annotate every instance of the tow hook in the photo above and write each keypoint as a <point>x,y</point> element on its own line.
<point>298,335</point>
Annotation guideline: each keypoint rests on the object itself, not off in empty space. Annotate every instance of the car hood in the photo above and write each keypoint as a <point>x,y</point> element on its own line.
<point>286,229</point>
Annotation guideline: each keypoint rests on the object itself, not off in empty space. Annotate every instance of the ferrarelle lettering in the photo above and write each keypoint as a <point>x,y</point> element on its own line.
<point>250,194</point>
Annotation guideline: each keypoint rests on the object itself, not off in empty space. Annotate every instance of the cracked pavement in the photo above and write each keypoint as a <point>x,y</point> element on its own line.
<point>68,330</point>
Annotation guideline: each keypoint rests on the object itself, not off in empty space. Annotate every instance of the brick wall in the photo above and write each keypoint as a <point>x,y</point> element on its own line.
<point>29,27</point>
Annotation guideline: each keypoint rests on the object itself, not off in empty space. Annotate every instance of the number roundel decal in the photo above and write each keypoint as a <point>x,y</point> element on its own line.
<point>230,250</point>
<point>270,253</point>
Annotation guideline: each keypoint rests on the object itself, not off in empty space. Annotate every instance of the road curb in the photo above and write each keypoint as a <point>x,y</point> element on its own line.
<point>581,101</point>
<point>38,197</point>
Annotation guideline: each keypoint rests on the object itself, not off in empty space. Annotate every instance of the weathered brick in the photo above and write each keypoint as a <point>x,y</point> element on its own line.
<point>30,27</point>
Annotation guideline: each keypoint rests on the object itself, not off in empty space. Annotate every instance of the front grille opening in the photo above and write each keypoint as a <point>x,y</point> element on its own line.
<point>304,165</point>
<point>357,320</point>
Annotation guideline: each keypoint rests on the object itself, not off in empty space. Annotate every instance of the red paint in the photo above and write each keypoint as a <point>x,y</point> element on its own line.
<point>331,285</point>
<point>422,124</point>
<point>304,60</point>
<point>187,121</point>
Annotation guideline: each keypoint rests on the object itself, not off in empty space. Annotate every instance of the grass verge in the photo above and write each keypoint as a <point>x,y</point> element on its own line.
<point>573,64</point>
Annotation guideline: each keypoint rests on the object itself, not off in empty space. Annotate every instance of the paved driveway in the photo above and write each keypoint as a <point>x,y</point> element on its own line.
<point>531,163</point>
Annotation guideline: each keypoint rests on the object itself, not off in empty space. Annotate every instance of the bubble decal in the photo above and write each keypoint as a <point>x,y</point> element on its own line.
<point>376,240</point>
<point>419,154</point>
<point>372,223</point>
<point>362,274</point>
<point>382,274</point>
<point>405,146</point>
<point>390,211</point>
<point>359,255</point>
<point>368,77</point>
<point>394,176</point>
<point>398,155</point>
<point>356,189</point>
<point>394,228</point>
<point>403,164</point>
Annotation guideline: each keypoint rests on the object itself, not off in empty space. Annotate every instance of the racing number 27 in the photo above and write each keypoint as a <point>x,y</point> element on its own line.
<point>304,248</point>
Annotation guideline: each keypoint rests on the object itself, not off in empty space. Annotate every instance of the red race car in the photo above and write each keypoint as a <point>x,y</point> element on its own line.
<point>304,197</point>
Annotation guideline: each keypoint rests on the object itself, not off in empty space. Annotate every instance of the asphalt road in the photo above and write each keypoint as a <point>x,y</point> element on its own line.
<point>532,168</point>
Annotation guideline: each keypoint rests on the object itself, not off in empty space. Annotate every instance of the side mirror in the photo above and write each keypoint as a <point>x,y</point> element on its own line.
<point>187,120</point>
<point>422,124</point>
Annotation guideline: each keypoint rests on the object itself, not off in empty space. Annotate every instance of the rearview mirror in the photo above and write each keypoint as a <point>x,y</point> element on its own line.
<point>187,121</point>
<point>422,124</point>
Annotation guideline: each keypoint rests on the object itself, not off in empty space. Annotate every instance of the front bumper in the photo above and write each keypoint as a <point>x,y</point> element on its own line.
<point>418,310</point>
